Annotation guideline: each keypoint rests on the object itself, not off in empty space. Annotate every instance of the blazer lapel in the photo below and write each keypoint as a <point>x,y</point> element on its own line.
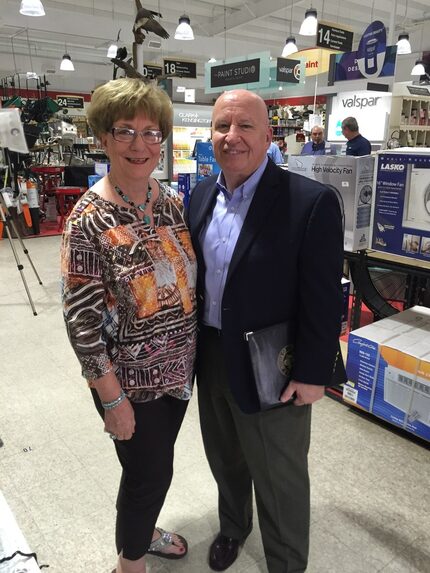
<point>259,211</point>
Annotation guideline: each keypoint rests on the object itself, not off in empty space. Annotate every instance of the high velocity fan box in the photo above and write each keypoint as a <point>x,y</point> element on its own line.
<point>352,180</point>
<point>388,367</point>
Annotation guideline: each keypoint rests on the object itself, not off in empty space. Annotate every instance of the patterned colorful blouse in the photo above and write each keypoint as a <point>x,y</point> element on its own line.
<point>129,295</point>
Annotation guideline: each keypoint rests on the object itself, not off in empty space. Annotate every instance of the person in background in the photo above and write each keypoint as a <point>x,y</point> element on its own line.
<point>129,274</point>
<point>317,145</point>
<point>274,153</point>
<point>256,229</point>
<point>357,145</point>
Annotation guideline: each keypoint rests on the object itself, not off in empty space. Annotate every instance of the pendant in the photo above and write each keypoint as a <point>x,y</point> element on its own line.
<point>146,219</point>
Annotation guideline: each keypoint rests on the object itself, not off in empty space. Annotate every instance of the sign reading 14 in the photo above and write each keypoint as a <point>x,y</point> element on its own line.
<point>324,35</point>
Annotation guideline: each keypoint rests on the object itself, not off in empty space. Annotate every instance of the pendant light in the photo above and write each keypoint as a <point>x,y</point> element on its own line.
<point>403,44</point>
<point>309,24</point>
<point>67,64</point>
<point>32,8</point>
<point>290,43</point>
<point>418,69</point>
<point>184,30</point>
<point>290,47</point>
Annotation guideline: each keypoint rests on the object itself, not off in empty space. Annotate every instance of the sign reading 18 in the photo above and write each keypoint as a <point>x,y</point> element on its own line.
<point>170,68</point>
<point>324,35</point>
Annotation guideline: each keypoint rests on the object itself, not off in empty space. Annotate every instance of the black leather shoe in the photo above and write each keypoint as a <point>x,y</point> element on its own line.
<point>223,552</point>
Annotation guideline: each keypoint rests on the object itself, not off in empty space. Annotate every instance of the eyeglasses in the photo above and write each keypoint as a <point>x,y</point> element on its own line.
<point>127,135</point>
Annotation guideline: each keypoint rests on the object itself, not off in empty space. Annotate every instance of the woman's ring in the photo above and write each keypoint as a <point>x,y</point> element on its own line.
<point>113,436</point>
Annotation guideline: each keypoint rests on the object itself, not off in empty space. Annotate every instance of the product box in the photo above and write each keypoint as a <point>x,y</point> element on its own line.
<point>186,182</point>
<point>206,164</point>
<point>352,180</point>
<point>388,368</point>
<point>401,214</point>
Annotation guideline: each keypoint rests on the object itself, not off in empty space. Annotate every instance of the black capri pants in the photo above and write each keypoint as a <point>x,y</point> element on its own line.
<point>147,471</point>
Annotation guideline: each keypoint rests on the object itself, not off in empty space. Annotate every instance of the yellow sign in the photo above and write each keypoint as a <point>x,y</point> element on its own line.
<point>317,60</point>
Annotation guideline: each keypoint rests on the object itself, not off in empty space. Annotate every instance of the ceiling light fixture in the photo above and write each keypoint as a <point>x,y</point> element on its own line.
<point>32,8</point>
<point>290,47</point>
<point>418,69</point>
<point>403,44</point>
<point>67,64</point>
<point>184,30</point>
<point>309,24</point>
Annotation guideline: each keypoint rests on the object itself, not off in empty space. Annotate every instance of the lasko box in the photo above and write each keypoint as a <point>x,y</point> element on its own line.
<point>401,216</point>
<point>352,180</point>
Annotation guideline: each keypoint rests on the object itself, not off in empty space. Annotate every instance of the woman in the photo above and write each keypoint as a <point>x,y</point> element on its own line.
<point>129,305</point>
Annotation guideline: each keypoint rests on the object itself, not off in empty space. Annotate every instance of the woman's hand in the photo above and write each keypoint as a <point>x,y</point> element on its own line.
<point>119,421</point>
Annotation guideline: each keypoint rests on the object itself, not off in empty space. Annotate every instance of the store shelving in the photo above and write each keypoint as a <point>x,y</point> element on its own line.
<point>410,116</point>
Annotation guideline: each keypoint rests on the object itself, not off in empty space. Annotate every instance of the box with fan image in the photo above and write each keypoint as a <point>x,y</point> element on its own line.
<point>401,215</point>
<point>388,368</point>
<point>352,180</point>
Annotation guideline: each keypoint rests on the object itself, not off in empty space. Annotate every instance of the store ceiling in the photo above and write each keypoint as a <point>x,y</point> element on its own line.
<point>223,29</point>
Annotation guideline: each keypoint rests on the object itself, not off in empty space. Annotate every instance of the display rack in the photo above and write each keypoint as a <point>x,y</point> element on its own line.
<point>410,116</point>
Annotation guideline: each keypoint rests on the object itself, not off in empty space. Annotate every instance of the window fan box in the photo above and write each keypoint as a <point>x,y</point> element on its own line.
<point>388,368</point>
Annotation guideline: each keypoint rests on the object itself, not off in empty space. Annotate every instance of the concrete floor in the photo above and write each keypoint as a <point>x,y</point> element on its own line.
<point>59,473</point>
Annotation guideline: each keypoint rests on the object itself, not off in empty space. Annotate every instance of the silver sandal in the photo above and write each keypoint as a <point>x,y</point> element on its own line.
<point>165,540</point>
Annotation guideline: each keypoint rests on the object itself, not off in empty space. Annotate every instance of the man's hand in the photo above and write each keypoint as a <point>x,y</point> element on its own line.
<point>305,393</point>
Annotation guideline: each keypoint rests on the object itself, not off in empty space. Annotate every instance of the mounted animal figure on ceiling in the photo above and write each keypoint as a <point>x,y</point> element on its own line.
<point>144,22</point>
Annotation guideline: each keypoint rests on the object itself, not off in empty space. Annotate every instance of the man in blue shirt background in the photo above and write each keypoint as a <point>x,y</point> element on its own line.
<point>274,153</point>
<point>357,144</point>
<point>317,145</point>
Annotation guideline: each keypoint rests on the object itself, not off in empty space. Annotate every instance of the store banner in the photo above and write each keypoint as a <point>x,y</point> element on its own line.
<point>206,163</point>
<point>401,222</point>
<point>244,72</point>
<point>288,71</point>
<point>372,59</point>
<point>317,61</point>
<point>371,110</point>
<point>248,72</point>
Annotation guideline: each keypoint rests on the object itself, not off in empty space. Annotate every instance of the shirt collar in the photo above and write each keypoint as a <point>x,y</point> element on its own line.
<point>247,188</point>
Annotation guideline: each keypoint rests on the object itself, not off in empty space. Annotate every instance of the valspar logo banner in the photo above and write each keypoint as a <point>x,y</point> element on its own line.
<point>371,110</point>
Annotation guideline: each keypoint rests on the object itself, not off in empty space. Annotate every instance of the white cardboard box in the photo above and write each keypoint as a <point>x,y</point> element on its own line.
<point>388,367</point>
<point>352,180</point>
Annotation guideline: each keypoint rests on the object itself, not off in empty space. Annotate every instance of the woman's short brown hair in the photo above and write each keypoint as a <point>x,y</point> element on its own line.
<point>124,99</point>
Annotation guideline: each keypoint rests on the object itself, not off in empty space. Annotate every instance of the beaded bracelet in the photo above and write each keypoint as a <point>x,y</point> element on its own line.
<point>114,403</point>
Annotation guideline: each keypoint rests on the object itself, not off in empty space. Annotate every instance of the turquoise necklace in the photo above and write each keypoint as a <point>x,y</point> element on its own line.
<point>141,206</point>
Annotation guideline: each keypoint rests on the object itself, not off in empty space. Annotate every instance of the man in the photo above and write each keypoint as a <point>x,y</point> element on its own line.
<point>357,144</point>
<point>317,145</point>
<point>274,153</point>
<point>257,231</point>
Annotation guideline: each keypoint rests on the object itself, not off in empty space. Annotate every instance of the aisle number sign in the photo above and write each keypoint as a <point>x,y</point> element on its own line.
<point>151,71</point>
<point>70,101</point>
<point>180,68</point>
<point>335,38</point>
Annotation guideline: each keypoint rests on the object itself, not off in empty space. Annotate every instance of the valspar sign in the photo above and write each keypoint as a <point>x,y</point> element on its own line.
<point>371,110</point>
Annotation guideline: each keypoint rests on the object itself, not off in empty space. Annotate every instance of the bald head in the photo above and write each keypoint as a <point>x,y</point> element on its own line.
<point>240,135</point>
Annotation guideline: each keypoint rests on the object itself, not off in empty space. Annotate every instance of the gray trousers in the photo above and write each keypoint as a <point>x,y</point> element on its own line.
<point>268,449</point>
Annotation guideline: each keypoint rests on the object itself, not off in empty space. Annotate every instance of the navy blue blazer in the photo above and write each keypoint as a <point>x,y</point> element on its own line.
<point>287,265</point>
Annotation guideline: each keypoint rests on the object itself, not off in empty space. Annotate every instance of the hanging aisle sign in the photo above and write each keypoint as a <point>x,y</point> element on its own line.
<point>151,71</point>
<point>70,101</point>
<point>180,68</point>
<point>335,38</point>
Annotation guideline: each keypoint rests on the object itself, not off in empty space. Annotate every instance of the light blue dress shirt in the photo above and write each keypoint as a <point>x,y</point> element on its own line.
<point>275,154</point>
<point>219,237</point>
